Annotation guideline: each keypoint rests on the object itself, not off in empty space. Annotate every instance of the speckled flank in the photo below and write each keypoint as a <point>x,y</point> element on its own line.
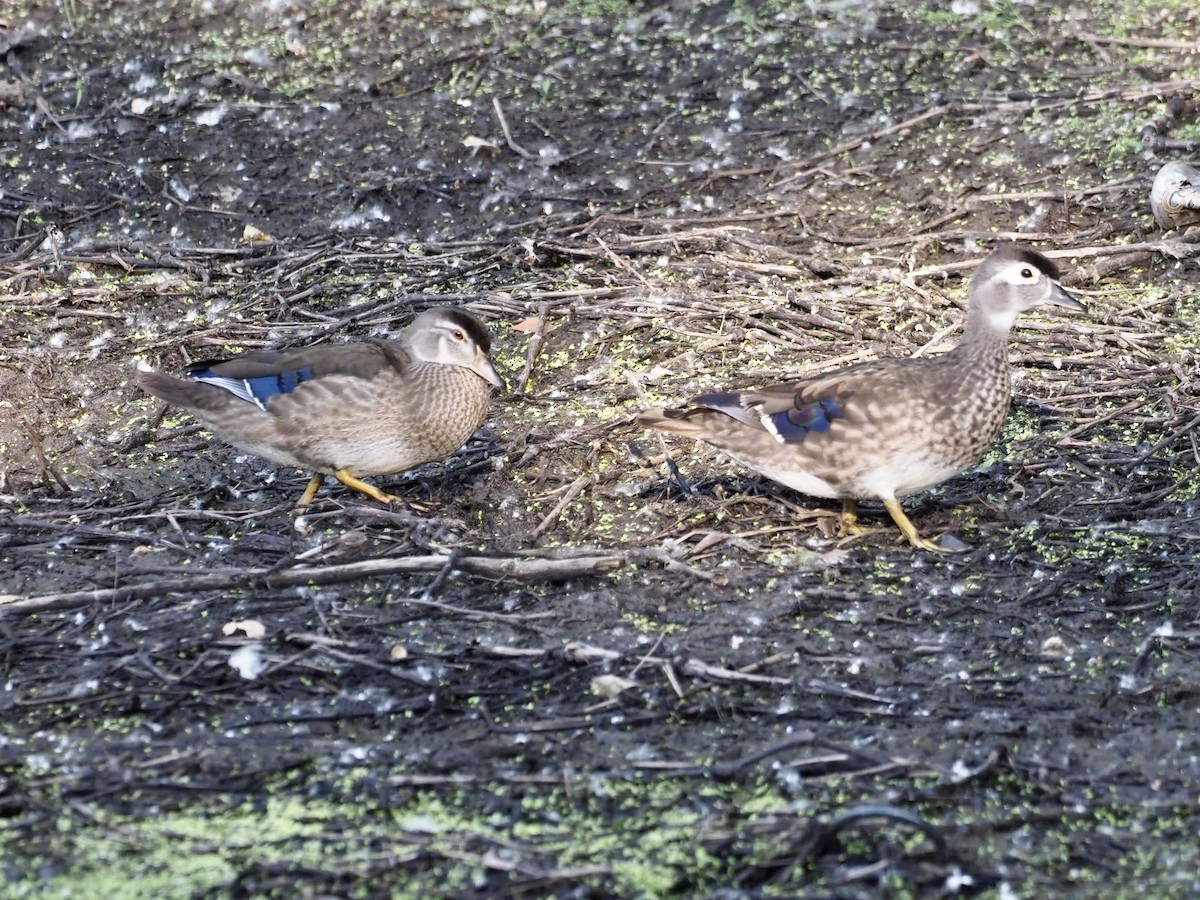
<point>946,432</point>
<point>434,410</point>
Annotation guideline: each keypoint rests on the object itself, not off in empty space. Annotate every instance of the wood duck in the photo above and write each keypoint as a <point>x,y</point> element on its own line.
<point>365,408</point>
<point>1175,196</point>
<point>887,428</point>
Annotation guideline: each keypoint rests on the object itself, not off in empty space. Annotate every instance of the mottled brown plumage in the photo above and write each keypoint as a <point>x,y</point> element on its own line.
<point>888,428</point>
<point>367,408</point>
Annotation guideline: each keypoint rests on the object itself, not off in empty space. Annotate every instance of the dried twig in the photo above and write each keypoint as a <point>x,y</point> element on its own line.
<point>534,348</point>
<point>574,490</point>
<point>514,568</point>
<point>508,138</point>
<point>1151,43</point>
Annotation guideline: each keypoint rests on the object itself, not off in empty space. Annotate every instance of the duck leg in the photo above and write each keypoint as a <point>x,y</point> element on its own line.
<point>848,520</point>
<point>310,492</point>
<point>910,531</point>
<point>362,487</point>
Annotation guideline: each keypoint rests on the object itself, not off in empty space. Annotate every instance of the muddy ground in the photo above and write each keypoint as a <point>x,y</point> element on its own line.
<point>562,671</point>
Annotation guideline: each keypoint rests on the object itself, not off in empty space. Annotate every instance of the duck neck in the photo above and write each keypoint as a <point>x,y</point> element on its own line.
<point>981,356</point>
<point>986,329</point>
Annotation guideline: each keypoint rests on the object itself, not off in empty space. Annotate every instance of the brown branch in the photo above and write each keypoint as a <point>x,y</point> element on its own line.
<point>534,348</point>
<point>700,669</point>
<point>508,138</point>
<point>574,490</point>
<point>514,568</point>
<point>1150,43</point>
<point>1180,248</point>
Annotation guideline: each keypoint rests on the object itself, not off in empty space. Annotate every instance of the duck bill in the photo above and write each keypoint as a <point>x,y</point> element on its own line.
<point>1059,297</point>
<point>484,368</point>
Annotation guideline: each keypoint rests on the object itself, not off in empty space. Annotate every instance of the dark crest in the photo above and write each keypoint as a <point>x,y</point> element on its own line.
<point>1032,258</point>
<point>470,325</point>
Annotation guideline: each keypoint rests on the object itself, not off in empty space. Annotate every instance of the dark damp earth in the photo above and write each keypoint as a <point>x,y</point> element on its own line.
<point>559,670</point>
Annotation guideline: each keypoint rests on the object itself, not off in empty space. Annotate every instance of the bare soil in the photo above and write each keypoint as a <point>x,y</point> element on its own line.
<point>574,666</point>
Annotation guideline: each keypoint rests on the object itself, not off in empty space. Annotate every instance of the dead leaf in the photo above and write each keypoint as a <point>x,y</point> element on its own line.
<point>252,235</point>
<point>252,628</point>
<point>529,325</point>
<point>474,144</point>
<point>1056,648</point>
<point>609,686</point>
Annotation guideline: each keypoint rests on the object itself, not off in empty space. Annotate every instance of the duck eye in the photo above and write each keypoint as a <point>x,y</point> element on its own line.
<point>458,334</point>
<point>1027,273</point>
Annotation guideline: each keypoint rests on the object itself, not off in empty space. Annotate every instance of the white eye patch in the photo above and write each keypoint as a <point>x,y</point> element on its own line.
<point>1019,274</point>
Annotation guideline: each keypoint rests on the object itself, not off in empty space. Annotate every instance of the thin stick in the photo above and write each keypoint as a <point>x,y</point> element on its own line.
<point>508,138</point>
<point>572,492</point>
<point>516,568</point>
<point>534,348</point>
<point>1152,43</point>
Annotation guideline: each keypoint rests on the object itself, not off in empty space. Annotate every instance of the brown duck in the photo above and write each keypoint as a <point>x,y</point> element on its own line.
<point>887,428</point>
<point>366,408</point>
